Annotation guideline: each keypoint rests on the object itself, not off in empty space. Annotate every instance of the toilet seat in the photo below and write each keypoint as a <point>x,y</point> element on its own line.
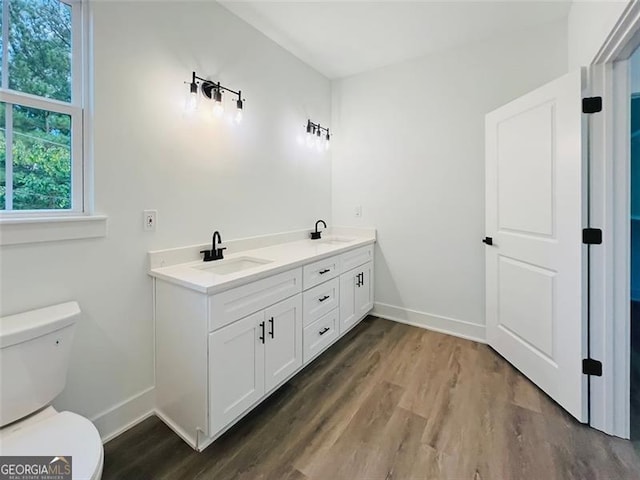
<point>63,434</point>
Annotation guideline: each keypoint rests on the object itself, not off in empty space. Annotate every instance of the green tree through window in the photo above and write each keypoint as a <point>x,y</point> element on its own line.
<point>38,63</point>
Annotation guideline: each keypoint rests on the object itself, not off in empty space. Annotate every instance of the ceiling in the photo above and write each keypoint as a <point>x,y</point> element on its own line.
<point>341,38</point>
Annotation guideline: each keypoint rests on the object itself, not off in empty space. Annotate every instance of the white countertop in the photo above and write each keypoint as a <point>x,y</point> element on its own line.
<point>281,257</point>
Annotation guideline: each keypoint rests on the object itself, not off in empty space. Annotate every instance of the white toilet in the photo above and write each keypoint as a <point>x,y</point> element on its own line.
<point>34,357</point>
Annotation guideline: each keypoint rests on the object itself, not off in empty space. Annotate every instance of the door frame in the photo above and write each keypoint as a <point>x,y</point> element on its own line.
<point>609,164</point>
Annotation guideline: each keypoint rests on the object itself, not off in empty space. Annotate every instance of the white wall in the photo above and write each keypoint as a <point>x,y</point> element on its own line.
<point>409,148</point>
<point>589,25</point>
<point>200,176</point>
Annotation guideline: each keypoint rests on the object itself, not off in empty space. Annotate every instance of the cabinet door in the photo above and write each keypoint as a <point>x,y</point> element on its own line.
<point>348,300</point>
<point>236,369</point>
<point>364,290</point>
<point>356,295</point>
<point>283,348</point>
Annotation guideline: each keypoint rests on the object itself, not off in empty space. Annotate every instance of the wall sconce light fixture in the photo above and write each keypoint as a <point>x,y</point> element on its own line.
<point>315,135</point>
<point>213,92</point>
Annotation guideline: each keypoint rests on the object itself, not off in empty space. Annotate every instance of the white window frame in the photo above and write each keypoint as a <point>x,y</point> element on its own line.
<point>34,226</point>
<point>75,109</point>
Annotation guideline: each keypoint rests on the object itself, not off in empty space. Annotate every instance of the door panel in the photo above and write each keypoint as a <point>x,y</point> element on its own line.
<point>236,366</point>
<point>535,214</point>
<point>525,171</point>
<point>283,348</point>
<point>525,307</point>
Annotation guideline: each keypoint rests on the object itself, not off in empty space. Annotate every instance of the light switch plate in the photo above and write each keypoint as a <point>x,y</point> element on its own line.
<point>150,220</point>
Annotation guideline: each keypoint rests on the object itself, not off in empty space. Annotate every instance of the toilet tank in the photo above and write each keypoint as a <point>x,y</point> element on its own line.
<point>34,357</point>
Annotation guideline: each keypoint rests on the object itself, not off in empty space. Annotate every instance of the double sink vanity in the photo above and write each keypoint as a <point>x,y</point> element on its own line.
<point>229,332</point>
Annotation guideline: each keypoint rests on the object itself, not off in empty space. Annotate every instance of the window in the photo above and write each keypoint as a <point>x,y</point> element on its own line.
<point>41,116</point>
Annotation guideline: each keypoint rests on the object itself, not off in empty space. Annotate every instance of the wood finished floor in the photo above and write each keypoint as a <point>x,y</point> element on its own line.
<point>389,401</point>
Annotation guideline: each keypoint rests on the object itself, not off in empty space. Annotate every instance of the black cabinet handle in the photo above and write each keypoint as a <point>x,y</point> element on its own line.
<point>272,328</point>
<point>324,330</point>
<point>361,278</point>
<point>322,272</point>
<point>323,298</point>
<point>358,280</point>
<point>488,240</point>
<point>262,331</point>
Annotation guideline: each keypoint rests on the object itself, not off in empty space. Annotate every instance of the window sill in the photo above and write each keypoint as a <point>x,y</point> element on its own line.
<point>16,231</point>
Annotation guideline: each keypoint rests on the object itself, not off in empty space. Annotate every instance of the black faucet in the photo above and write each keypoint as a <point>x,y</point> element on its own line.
<point>214,253</point>
<point>316,235</point>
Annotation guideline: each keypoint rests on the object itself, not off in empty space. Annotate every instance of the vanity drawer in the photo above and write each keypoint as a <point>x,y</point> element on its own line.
<point>234,304</point>
<point>320,300</point>
<point>356,257</point>
<point>320,271</point>
<point>319,335</point>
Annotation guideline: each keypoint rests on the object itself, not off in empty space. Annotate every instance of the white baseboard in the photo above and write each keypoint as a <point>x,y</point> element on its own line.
<point>450,326</point>
<point>126,414</point>
<point>193,442</point>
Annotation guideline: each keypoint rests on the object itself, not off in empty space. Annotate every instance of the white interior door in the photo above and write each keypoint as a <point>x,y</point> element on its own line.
<point>534,213</point>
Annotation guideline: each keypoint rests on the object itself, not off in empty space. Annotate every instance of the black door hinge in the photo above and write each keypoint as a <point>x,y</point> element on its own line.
<point>591,236</point>
<point>592,105</point>
<point>591,367</point>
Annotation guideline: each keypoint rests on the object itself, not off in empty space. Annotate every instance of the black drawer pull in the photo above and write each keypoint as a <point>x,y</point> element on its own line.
<point>323,298</point>
<point>326,270</point>
<point>324,330</point>
<point>261,331</point>
<point>272,328</point>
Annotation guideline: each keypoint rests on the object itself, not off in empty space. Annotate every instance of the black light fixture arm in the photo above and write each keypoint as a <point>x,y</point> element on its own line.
<point>215,85</point>
<point>213,90</point>
<point>314,127</point>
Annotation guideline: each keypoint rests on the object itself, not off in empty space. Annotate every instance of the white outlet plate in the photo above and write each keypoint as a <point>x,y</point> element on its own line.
<point>358,211</point>
<point>150,220</point>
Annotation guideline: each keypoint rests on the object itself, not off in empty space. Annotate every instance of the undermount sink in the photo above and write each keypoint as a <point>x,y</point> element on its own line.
<point>335,240</point>
<point>232,265</point>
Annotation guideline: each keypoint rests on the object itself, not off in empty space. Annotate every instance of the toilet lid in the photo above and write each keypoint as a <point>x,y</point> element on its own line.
<point>64,434</point>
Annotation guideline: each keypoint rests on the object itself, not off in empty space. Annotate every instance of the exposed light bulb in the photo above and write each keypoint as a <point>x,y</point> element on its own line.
<point>191,104</point>
<point>240,109</point>
<point>238,116</point>
<point>218,109</point>
<point>310,132</point>
<point>191,100</point>
<point>319,139</point>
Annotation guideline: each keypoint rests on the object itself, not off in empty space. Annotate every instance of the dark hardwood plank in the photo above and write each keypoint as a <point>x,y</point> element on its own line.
<point>389,401</point>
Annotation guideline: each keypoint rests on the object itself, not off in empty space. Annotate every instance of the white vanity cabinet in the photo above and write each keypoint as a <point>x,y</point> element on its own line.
<point>252,356</point>
<point>320,314</point>
<point>335,306</point>
<point>236,370</point>
<point>356,295</point>
<point>218,355</point>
